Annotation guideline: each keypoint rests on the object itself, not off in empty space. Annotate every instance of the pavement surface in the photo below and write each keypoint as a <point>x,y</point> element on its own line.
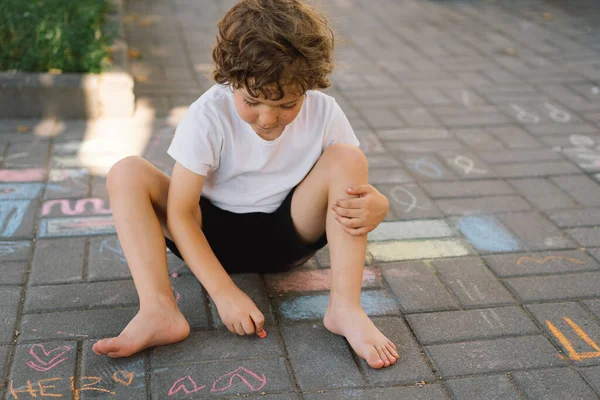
<point>481,122</point>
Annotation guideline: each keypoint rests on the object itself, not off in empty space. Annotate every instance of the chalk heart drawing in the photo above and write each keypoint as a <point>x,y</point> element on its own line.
<point>46,360</point>
<point>250,379</point>
<point>186,384</point>
<point>124,378</point>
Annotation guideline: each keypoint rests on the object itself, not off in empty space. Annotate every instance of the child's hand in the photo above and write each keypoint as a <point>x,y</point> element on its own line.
<point>239,313</point>
<point>361,215</point>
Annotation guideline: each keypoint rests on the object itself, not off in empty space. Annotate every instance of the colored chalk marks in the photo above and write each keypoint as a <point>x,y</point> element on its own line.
<point>83,226</point>
<point>19,191</point>
<point>22,175</point>
<point>487,234</point>
<point>416,249</point>
<point>16,218</point>
<point>374,302</point>
<point>410,230</point>
<point>300,280</point>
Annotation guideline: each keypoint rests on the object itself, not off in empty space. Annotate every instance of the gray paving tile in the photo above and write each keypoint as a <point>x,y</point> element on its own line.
<point>592,375</point>
<point>556,383</point>
<point>497,355</point>
<point>428,167</point>
<point>221,378</point>
<point>467,189</point>
<point>572,328</point>
<point>456,326</point>
<point>4,350</point>
<point>122,378</point>
<point>191,299</point>
<point>488,234</point>
<point>320,359</point>
<point>417,287</point>
<point>410,368</point>
<point>581,188</point>
<point>536,231</point>
<point>17,218</point>
<point>427,392</point>
<point>520,156</point>
<point>58,261</point>
<point>408,201</point>
<point>14,250</point>
<point>543,194</point>
<point>526,170</point>
<point>594,306</point>
<point>556,287</point>
<point>48,366</point>
<point>214,345</point>
<point>106,259</point>
<point>548,262</point>
<point>472,282</point>
<point>575,217</point>
<point>494,387</point>
<point>482,205</point>
<point>13,272</point>
<point>587,237</point>
<point>383,176</point>
<point>467,165</point>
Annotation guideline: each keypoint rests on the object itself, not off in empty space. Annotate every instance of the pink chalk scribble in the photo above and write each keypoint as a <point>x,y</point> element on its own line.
<point>65,206</point>
<point>180,384</point>
<point>22,175</point>
<point>42,361</point>
<point>177,295</point>
<point>241,373</point>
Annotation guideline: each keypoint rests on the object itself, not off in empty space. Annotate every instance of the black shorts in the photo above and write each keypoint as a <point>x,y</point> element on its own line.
<point>254,242</point>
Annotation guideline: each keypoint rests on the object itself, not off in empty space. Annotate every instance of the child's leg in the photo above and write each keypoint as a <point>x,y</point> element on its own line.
<point>138,197</point>
<point>340,167</point>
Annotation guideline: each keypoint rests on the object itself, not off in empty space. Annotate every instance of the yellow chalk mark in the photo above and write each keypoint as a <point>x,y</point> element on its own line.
<point>573,354</point>
<point>545,260</point>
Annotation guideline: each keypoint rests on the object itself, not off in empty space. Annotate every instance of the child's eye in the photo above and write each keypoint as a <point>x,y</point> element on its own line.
<point>250,104</point>
<point>290,107</point>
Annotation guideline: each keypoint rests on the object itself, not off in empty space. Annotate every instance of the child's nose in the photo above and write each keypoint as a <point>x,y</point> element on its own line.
<point>268,118</point>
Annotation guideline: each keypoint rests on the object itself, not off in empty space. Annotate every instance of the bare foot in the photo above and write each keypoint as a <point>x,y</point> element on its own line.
<point>364,337</point>
<point>146,329</point>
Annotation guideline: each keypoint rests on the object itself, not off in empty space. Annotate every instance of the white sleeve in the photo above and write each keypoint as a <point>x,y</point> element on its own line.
<point>197,142</point>
<point>338,129</point>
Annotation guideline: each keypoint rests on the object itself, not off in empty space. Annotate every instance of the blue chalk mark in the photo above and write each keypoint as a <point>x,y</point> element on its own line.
<point>374,302</point>
<point>485,233</point>
<point>113,248</point>
<point>428,168</point>
<point>11,215</point>
<point>19,191</point>
<point>8,248</point>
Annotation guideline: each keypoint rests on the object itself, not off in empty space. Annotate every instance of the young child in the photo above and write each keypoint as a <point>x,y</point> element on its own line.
<point>267,171</point>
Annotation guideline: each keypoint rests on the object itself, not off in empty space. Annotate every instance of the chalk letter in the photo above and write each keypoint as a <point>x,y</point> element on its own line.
<point>29,390</point>
<point>44,387</point>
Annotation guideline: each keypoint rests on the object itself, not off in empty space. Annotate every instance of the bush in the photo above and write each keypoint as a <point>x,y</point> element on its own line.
<point>41,35</point>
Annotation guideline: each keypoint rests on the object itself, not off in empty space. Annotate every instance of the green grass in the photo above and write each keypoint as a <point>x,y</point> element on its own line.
<point>40,35</point>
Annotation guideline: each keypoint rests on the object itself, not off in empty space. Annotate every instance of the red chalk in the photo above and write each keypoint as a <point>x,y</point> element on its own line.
<point>262,334</point>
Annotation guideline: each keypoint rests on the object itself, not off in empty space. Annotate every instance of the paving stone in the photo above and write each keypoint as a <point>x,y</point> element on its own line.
<point>4,350</point>
<point>424,146</point>
<point>466,189</point>
<point>428,168</point>
<point>496,355</point>
<point>382,161</point>
<point>380,118</point>
<point>472,282</point>
<point>80,295</point>
<point>47,367</point>
<point>410,230</point>
<point>594,306</point>
<point>572,328</point>
<point>477,139</point>
<point>369,142</point>
<point>595,253</point>
<point>561,129</point>
<point>57,261</point>
<point>17,218</point>
<point>592,375</point>
<point>13,272</point>
<point>14,251</point>
<point>213,345</point>
<point>467,165</point>
<point>519,156</point>
<point>494,387</point>
<point>388,175</point>
<point>535,169</point>
<point>548,262</point>
<point>413,134</point>
<point>20,191</point>
<point>487,233</point>
<point>417,287</point>
<point>455,326</point>
<point>253,287</point>
<point>374,302</point>
<point>418,117</point>
<point>123,378</point>
<point>536,231</point>
<point>76,226</point>
<point>576,217</point>
<point>320,359</point>
<point>427,392</point>
<point>277,396</point>
<point>76,324</point>
<point>9,301</point>
<point>555,383</point>
<point>408,201</point>
<point>191,299</point>
<point>587,237</point>
<point>556,287</point>
<point>581,188</point>
<point>481,205</point>
<point>218,379</point>
<point>514,137</point>
<point>543,194</point>
<point>27,155</point>
<point>299,280</point>
<point>106,259</point>
<point>67,183</point>
<point>417,249</point>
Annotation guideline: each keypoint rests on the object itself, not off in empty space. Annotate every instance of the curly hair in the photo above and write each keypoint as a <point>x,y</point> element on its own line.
<point>266,45</point>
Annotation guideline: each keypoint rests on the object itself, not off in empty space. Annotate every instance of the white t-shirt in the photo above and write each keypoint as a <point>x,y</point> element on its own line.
<point>245,173</point>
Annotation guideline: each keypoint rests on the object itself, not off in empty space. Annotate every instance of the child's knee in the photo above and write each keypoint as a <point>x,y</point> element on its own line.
<point>346,156</point>
<point>126,173</point>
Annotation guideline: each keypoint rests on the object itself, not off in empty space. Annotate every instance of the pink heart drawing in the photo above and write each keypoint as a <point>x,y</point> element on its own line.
<point>40,355</point>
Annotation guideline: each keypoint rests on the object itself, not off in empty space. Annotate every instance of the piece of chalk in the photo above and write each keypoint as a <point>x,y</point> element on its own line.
<point>262,334</point>
<point>175,275</point>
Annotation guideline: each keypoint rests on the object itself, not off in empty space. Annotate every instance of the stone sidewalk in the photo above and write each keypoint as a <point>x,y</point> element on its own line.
<point>481,122</point>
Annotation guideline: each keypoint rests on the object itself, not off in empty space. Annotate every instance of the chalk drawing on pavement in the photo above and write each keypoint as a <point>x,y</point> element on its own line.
<point>568,345</point>
<point>79,226</point>
<point>12,213</point>
<point>486,233</point>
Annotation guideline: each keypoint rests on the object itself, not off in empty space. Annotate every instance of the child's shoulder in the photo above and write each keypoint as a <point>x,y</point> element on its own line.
<point>217,98</point>
<point>321,103</point>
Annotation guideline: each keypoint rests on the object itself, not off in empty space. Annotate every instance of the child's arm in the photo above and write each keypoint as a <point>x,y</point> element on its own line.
<point>360,215</point>
<point>237,310</point>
